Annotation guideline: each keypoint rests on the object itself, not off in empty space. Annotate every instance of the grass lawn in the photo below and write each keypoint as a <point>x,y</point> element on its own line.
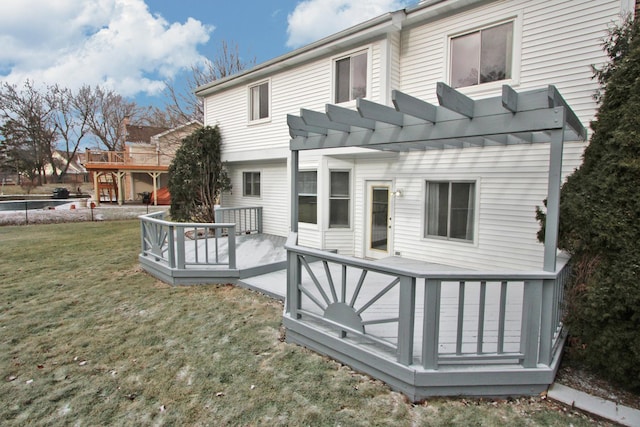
<point>87,338</point>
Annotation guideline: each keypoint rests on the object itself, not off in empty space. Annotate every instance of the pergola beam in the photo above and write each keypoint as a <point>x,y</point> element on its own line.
<point>317,119</point>
<point>556,100</point>
<point>506,123</point>
<point>453,100</point>
<point>379,112</point>
<point>349,117</point>
<point>297,123</point>
<point>413,106</point>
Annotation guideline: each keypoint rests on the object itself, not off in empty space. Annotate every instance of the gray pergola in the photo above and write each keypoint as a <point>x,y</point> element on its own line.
<point>535,116</point>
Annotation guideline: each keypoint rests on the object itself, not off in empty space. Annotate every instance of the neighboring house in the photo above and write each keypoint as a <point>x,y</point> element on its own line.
<point>75,173</point>
<point>464,207</point>
<point>143,165</point>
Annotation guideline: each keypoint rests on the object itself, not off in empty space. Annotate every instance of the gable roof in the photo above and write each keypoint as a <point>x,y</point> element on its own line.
<point>361,33</point>
<point>137,133</point>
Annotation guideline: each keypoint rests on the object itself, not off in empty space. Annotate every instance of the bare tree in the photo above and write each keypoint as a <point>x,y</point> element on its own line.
<point>27,127</point>
<point>183,105</point>
<point>71,120</point>
<point>106,113</point>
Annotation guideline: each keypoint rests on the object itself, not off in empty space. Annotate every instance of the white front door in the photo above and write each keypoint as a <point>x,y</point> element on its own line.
<point>379,232</point>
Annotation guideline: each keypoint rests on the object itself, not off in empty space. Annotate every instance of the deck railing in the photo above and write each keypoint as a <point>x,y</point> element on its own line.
<point>428,318</point>
<point>248,219</point>
<point>181,245</point>
<point>142,158</point>
<point>102,156</point>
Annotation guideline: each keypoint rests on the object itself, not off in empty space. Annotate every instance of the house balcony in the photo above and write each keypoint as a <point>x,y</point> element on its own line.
<point>425,329</point>
<point>141,160</point>
<point>116,173</point>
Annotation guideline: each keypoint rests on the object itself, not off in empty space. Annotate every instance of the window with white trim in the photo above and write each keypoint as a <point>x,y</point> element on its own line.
<point>482,56</point>
<point>259,101</point>
<point>339,199</point>
<point>250,183</point>
<point>450,210</point>
<point>351,77</point>
<point>308,197</point>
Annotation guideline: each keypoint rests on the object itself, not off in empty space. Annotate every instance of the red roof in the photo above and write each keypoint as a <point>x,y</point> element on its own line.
<point>136,133</point>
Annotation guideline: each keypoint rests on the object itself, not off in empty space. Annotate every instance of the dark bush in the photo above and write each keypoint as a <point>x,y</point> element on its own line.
<point>600,222</point>
<point>197,176</point>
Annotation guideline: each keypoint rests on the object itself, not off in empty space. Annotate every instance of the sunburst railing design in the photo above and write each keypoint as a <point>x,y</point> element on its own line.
<point>428,317</point>
<point>157,239</point>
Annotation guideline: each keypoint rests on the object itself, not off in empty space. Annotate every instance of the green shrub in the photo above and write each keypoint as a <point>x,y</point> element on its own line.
<point>197,176</point>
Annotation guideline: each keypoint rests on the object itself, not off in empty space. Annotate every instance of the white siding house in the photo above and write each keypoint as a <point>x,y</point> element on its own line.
<point>405,158</point>
<point>547,42</point>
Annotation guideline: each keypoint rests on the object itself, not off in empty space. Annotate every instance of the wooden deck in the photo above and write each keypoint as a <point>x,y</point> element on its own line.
<point>425,329</point>
<point>428,329</point>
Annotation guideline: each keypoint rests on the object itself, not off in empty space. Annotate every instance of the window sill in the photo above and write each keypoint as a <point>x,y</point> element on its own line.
<point>259,121</point>
<point>487,87</point>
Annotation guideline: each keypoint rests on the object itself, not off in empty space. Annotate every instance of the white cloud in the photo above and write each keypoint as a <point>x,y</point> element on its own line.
<point>314,19</point>
<point>116,43</point>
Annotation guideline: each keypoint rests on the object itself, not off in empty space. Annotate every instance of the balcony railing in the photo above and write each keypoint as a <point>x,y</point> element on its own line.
<point>427,318</point>
<point>142,158</point>
<point>248,219</point>
<point>182,246</point>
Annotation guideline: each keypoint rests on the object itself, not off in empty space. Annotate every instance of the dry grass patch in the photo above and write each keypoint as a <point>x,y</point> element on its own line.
<point>87,338</point>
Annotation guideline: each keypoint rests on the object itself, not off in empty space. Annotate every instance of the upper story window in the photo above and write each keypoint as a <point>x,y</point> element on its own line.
<point>482,56</point>
<point>251,183</point>
<point>351,77</point>
<point>450,210</point>
<point>259,101</point>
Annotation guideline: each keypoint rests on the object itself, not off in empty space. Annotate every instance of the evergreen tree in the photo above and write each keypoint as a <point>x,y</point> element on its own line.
<point>600,221</point>
<point>197,176</point>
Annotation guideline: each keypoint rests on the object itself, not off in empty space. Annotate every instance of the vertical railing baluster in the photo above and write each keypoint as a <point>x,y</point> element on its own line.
<point>206,244</point>
<point>143,249</point>
<point>218,234</point>
<point>459,334</point>
<point>546,322</point>
<point>344,283</point>
<point>232,247</point>
<point>195,243</point>
<point>431,327</point>
<point>174,249</point>
<point>294,273</point>
<point>530,329</point>
<point>406,319</point>
<point>481,312</point>
<point>502,316</point>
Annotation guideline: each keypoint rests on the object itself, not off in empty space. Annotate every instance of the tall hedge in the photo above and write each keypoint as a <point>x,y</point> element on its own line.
<point>600,221</point>
<point>197,176</point>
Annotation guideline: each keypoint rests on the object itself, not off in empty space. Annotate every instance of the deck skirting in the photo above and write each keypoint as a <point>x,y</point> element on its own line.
<point>417,383</point>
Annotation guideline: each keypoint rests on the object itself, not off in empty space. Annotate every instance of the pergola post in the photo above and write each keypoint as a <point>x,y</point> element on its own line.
<point>553,200</point>
<point>295,159</point>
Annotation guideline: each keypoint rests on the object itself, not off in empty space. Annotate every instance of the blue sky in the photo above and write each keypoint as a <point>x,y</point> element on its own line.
<point>134,46</point>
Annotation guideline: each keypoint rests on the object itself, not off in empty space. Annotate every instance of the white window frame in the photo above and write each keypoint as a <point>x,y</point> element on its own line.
<point>348,197</point>
<point>313,224</point>
<point>250,102</point>
<point>425,210</point>
<point>516,54</point>
<point>334,75</point>
<point>244,192</point>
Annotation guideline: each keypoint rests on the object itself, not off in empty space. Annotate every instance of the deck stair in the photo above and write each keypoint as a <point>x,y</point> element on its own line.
<point>107,187</point>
